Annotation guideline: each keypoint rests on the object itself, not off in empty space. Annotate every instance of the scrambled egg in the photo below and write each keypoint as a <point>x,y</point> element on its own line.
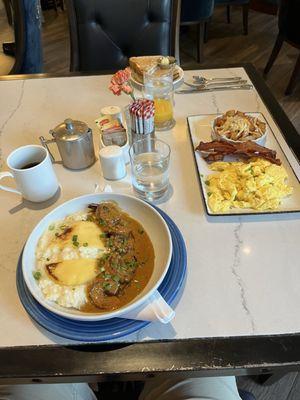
<point>258,184</point>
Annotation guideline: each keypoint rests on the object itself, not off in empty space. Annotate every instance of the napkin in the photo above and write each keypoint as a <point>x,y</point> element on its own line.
<point>155,308</point>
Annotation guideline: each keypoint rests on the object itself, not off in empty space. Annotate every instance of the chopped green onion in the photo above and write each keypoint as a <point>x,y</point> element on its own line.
<point>106,285</point>
<point>207,183</point>
<point>51,227</point>
<point>74,238</point>
<point>37,275</point>
<point>85,244</point>
<point>103,235</point>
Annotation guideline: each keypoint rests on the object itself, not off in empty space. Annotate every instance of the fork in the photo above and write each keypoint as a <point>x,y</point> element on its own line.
<point>201,79</point>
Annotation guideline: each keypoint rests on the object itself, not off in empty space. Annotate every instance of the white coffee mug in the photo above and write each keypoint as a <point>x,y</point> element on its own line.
<point>32,169</point>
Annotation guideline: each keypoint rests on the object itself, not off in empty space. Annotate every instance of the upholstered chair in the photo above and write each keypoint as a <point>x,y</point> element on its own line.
<point>104,34</point>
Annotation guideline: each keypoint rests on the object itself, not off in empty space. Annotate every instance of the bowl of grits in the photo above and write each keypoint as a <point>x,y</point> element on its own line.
<point>97,256</point>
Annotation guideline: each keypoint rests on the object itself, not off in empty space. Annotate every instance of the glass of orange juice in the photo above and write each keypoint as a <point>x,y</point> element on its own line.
<point>158,86</point>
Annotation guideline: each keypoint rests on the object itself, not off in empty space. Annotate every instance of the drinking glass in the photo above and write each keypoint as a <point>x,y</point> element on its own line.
<point>150,168</point>
<point>158,86</point>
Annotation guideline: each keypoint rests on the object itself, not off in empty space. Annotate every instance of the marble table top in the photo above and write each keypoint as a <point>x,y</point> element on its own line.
<point>243,272</point>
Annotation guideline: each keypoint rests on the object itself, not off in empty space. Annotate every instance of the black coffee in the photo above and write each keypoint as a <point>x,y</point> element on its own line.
<point>30,165</point>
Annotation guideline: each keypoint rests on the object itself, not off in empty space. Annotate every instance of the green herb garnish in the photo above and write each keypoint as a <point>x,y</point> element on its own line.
<point>131,264</point>
<point>75,240</point>
<point>51,227</point>
<point>104,257</point>
<point>207,183</point>
<point>37,275</point>
<point>209,194</point>
<point>62,227</point>
<point>85,244</point>
<point>106,285</point>
<point>102,222</point>
<point>103,235</point>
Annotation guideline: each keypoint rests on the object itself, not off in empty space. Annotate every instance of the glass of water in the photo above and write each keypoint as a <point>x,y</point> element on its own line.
<point>150,168</point>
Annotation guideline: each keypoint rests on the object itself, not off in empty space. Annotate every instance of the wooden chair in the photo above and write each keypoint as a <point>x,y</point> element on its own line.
<point>245,10</point>
<point>8,10</point>
<point>289,31</point>
<point>49,4</point>
<point>197,12</point>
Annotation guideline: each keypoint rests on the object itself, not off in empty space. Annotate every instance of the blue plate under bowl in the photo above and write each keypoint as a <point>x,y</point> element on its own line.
<point>99,331</point>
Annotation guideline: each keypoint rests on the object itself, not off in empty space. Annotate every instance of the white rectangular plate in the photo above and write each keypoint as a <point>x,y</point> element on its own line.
<point>200,130</point>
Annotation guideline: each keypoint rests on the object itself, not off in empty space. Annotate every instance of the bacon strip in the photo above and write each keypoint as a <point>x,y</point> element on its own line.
<point>217,150</point>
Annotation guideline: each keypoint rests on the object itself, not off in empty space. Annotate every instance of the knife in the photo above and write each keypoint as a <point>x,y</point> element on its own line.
<point>214,84</point>
<point>217,88</point>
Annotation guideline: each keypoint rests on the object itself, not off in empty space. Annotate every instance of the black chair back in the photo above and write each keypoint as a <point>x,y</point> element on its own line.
<point>288,20</point>
<point>105,33</point>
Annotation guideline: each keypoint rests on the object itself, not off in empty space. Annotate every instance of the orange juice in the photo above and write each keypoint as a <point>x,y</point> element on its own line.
<point>163,110</point>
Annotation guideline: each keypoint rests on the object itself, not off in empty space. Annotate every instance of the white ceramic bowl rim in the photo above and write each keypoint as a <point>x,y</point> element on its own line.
<point>101,316</point>
<point>259,140</point>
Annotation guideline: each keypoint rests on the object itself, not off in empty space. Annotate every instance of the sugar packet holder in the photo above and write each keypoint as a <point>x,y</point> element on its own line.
<point>113,134</point>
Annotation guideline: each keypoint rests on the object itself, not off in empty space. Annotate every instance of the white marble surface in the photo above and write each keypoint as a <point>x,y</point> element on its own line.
<point>243,272</point>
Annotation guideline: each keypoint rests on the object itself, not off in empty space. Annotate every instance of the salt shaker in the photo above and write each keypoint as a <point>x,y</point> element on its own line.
<point>112,162</point>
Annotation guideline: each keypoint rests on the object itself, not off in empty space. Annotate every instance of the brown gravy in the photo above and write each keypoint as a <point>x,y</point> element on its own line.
<point>126,269</point>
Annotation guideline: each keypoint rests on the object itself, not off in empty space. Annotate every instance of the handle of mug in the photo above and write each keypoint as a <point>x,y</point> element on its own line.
<point>8,189</point>
<point>44,143</point>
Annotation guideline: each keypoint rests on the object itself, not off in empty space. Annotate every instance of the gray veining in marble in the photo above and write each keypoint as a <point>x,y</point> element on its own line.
<point>235,271</point>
